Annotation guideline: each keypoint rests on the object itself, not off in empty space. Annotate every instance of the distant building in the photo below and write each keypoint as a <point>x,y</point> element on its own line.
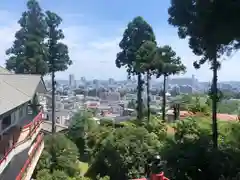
<point>111,81</point>
<point>181,81</point>
<point>92,104</point>
<point>113,96</point>
<point>62,117</point>
<point>186,89</point>
<point>83,79</point>
<point>72,82</point>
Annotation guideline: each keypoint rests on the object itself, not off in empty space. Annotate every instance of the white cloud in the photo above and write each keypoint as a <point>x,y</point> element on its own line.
<point>94,53</point>
<point>229,69</point>
<point>6,37</point>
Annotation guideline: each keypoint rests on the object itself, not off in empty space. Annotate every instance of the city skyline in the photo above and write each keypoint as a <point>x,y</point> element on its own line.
<point>93,32</point>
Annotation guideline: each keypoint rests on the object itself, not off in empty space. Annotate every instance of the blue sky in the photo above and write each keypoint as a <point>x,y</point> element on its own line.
<point>93,29</point>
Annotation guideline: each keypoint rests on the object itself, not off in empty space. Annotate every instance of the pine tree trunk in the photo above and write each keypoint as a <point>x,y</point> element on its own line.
<point>53,103</point>
<point>214,103</point>
<point>148,96</point>
<point>164,98</point>
<point>139,98</point>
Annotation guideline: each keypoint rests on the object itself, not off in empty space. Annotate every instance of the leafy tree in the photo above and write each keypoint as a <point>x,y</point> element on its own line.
<point>138,31</point>
<point>124,152</point>
<point>157,127</point>
<point>44,162</point>
<point>131,104</point>
<point>28,53</point>
<point>122,92</point>
<point>104,178</point>
<point>96,136</point>
<point>186,99</point>
<point>80,125</point>
<point>200,22</point>
<point>145,55</point>
<point>229,106</point>
<point>57,52</point>
<point>169,64</point>
<point>79,178</point>
<point>189,155</point>
<point>62,153</point>
<point>59,175</point>
<point>44,174</point>
<point>58,57</point>
<point>86,178</point>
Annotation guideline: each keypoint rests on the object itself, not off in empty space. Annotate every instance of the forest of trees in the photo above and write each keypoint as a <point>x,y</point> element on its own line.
<point>195,148</point>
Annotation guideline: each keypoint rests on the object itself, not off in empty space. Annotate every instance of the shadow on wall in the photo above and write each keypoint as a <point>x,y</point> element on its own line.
<point>9,138</point>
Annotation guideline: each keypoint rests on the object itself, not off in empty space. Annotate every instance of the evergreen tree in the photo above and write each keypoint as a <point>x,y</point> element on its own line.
<point>145,55</point>
<point>210,36</point>
<point>168,63</point>
<point>58,57</point>
<point>27,55</point>
<point>137,32</point>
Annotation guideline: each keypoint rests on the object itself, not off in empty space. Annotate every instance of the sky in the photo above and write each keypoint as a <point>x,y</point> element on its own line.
<point>94,28</point>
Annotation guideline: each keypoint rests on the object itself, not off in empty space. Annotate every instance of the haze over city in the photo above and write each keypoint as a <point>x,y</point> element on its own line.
<point>93,30</point>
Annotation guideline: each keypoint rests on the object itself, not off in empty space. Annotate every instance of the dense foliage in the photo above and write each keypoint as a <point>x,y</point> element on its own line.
<point>37,43</point>
<point>137,32</point>
<point>61,154</point>
<point>210,36</point>
<point>78,131</point>
<point>123,152</point>
<point>166,63</point>
<point>145,55</point>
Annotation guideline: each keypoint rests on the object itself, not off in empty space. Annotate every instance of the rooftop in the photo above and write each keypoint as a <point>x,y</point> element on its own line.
<point>17,89</point>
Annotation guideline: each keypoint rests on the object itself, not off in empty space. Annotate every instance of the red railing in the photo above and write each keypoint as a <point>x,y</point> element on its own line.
<point>33,126</point>
<point>159,176</point>
<point>30,158</point>
<point>6,154</point>
<point>36,120</point>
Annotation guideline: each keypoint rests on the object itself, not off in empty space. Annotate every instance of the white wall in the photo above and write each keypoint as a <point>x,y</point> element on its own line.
<point>19,113</point>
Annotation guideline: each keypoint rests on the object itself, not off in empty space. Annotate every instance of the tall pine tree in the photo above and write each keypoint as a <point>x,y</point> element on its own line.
<point>137,32</point>
<point>27,55</point>
<point>58,58</point>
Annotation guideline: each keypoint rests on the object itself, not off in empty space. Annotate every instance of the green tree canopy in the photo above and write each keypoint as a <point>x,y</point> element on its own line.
<point>137,32</point>
<point>167,63</point>
<point>58,58</point>
<point>81,124</point>
<point>44,174</point>
<point>62,154</point>
<point>145,56</point>
<point>170,63</point>
<point>209,35</point>
<point>28,53</point>
<point>123,154</point>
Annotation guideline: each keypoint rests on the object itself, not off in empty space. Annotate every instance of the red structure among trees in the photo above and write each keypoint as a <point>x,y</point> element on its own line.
<point>159,176</point>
